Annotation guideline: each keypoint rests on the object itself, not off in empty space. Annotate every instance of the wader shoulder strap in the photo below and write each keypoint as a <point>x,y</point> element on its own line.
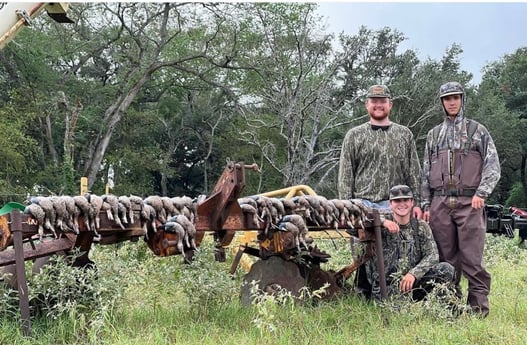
<point>472,126</point>
<point>435,136</point>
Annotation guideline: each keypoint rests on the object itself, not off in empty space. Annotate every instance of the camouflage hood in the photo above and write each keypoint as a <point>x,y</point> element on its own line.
<point>453,88</point>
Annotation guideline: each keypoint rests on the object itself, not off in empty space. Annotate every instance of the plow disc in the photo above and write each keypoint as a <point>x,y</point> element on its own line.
<point>275,274</point>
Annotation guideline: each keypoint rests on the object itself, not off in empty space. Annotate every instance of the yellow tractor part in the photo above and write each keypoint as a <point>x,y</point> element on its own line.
<point>248,237</point>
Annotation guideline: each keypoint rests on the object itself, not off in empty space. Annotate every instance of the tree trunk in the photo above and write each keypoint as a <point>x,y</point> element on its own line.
<point>112,118</point>
<point>49,139</point>
<point>522,174</point>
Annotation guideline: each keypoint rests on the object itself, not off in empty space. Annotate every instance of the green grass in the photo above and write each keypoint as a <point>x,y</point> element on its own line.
<point>143,299</point>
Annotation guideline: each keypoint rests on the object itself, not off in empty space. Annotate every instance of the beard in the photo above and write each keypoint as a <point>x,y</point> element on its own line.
<point>379,116</point>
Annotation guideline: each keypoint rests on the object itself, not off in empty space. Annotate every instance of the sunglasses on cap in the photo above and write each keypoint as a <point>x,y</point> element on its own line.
<point>400,192</point>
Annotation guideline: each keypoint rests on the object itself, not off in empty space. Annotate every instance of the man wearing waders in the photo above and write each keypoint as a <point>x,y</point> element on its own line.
<point>460,170</point>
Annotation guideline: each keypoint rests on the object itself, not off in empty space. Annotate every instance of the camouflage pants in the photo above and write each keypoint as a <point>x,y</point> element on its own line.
<point>442,272</point>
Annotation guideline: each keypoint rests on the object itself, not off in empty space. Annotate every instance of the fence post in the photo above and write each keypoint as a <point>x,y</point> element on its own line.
<point>16,229</point>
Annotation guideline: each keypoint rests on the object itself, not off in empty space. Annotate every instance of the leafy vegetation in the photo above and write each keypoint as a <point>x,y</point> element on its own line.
<point>138,298</point>
<point>167,92</point>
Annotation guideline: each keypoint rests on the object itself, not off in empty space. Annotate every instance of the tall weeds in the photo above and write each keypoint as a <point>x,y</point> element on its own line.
<point>134,297</point>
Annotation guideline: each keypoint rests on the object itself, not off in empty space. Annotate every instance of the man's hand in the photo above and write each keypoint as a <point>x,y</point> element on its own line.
<point>477,202</point>
<point>426,216</point>
<point>407,283</point>
<point>418,213</point>
<point>391,226</point>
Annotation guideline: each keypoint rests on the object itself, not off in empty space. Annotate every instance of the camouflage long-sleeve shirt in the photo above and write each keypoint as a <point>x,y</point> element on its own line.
<point>409,251</point>
<point>372,161</point>
<point>452,135</point>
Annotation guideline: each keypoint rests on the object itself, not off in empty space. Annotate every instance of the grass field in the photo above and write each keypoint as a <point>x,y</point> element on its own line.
<point>137,298</point>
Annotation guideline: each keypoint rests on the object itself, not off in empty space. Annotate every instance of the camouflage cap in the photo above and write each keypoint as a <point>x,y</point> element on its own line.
<point>378,91</point>
<point>451,88</point>
<point>401,192</point>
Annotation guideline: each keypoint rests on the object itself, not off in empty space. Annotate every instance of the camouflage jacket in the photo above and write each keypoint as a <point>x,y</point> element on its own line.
<point>452,135</point>
<point>372,161</point>
<point>409,251</point>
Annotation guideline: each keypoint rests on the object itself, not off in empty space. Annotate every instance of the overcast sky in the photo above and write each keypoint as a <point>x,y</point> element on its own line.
<point>485,30</point>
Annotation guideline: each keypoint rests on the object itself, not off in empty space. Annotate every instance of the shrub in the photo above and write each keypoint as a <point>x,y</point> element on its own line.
<point>516,196</point>
<point>81,294</point>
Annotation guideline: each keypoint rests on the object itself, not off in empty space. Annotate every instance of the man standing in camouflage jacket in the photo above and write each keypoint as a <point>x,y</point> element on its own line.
<point>377,155</point>
<point>461,168</point>
<point>411,259</point>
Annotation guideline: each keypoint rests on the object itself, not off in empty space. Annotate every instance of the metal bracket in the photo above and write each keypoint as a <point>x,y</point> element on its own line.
<point>24,15</point>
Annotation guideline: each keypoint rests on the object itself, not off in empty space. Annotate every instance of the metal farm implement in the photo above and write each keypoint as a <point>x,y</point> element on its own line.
<point>285,228</point>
